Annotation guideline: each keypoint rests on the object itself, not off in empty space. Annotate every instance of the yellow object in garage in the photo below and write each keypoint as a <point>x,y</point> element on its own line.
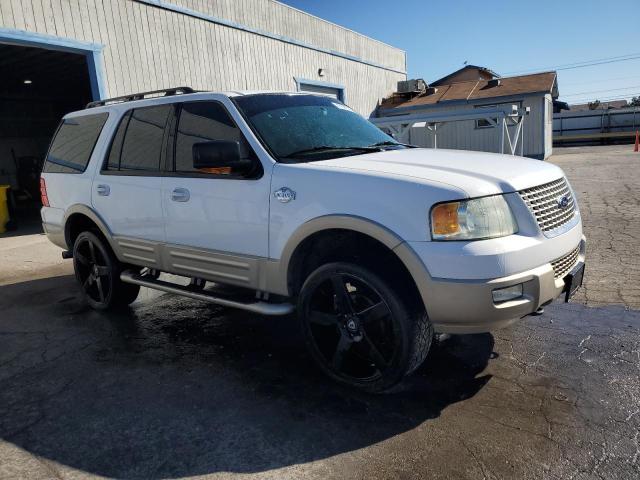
<point>4,207</point>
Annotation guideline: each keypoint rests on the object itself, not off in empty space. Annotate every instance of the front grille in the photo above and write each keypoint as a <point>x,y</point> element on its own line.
<point>543,203</point>
<point>563,265</point>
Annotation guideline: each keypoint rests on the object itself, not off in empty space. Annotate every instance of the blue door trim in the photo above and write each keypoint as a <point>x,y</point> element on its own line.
<point>93,52</point>
<point>318,83</point>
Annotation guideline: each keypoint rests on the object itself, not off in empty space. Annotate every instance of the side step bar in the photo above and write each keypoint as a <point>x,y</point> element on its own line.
<point>262,308</point>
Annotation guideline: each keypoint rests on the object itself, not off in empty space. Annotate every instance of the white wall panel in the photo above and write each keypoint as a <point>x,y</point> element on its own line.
<point>147,47</point>
<point>260,14</point>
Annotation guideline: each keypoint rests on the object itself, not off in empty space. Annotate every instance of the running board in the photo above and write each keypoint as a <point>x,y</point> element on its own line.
<point>262,308</point>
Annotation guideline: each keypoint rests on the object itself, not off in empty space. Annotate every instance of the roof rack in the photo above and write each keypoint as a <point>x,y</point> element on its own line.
<point>167,92</point>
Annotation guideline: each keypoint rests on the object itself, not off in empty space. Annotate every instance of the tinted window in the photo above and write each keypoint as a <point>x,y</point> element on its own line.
<point>142,143</point>
<point>202,122</point>
<point>74,141</point>
<point>113,161</point>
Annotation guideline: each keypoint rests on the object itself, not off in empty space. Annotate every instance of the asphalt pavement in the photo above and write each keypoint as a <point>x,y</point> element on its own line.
<point>178,388</point>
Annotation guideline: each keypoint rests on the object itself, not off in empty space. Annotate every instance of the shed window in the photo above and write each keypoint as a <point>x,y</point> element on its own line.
<point>483,123</point>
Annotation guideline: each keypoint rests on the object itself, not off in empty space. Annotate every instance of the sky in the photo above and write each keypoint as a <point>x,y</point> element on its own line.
<point>509,37</point>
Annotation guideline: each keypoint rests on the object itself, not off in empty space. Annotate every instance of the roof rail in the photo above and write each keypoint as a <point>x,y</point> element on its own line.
<point>166,92</point>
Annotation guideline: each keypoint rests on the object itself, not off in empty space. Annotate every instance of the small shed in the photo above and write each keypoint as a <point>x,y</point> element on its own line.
<point>466,91</point>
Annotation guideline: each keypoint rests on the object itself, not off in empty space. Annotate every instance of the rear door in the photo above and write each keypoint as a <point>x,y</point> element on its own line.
<point>216,221</point>
<point>126,191</point>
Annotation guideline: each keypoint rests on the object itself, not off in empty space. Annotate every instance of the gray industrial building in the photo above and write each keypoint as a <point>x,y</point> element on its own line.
<point>57,55</point>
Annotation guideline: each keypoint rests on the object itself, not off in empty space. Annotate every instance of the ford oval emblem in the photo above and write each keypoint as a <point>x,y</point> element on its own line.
<point>284,195</point>
<point>563,201</point>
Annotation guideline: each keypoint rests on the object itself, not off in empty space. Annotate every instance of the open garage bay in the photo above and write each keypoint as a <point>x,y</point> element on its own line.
<point>37,87</point>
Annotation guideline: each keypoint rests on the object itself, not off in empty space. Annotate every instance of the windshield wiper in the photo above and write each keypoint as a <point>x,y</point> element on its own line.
<point>324,148</point>
<point>390,143</point>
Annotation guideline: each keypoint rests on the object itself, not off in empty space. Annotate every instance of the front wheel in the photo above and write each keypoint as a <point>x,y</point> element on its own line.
<point>359,330</point>
<point>98,273</point>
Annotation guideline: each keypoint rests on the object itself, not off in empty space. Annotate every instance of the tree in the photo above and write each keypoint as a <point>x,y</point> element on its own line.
<point>635,102</point>
<point>593,105</point>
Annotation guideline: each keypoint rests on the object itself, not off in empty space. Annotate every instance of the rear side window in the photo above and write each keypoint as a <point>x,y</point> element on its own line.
<point>73,144</point>
<point>137,143</point>
<point>113,163</point>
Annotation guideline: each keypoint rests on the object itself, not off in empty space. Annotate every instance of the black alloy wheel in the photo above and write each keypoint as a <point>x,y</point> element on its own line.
<point>357,328</point>
<point>97,272</point>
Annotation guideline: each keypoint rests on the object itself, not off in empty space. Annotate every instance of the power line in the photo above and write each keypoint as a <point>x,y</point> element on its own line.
<point>601,80</point>
<point>585,63</point>
<point>577,64</point>
<point>599,63</point>
<point>599,91</point>
<point>598,60</point>
<point>605,99</point>
<point>616,97</point>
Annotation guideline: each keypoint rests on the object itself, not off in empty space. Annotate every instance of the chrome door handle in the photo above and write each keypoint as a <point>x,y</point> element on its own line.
<point>103,190</point>
<point>180,195</point>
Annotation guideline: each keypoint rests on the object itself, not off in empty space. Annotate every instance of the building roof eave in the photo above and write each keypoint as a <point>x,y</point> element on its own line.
<point>486,100</point>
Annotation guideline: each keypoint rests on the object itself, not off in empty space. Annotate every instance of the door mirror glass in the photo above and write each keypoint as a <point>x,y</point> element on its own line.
<point>219,156</point>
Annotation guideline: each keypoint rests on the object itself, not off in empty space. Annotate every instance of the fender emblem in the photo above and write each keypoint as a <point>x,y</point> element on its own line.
<point>284,195</point>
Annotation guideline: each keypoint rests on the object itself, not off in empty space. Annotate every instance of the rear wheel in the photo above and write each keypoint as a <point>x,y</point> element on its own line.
<point>98,273</point>
<point>359,330</point>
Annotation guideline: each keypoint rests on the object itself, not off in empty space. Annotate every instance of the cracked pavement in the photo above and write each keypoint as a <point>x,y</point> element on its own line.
<point>607,184</point>
<point>178,388</point>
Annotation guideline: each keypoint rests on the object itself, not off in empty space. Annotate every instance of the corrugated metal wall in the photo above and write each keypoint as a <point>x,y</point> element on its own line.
<point>465,135</point>
<point>147,47</point>
<point>280,19</point>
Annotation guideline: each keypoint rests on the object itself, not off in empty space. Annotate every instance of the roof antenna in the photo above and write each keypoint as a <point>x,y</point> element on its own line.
<point>465,62</point>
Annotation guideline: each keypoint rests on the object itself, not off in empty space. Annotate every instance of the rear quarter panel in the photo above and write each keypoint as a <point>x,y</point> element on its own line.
<point>67,189</point>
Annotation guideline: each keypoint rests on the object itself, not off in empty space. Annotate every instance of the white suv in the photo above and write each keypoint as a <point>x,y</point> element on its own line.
<point>291,201</point>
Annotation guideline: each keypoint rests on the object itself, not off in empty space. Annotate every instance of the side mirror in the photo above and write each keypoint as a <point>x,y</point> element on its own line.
<point>219,154</point>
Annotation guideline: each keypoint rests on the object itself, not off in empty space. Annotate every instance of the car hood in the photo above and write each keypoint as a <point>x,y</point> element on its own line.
<point>477,173</point>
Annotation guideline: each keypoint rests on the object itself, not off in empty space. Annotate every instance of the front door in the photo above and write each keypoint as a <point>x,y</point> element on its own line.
<point>216,221</point>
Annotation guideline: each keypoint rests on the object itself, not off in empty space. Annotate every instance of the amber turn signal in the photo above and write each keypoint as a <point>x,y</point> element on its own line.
<point>444,218</point>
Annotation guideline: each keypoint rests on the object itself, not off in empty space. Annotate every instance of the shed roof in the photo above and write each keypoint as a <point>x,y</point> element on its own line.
<point>481,89</point>
<point>447,78</point>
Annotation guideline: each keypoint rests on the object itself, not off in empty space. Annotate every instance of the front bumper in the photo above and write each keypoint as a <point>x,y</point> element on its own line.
<point>467,306</point>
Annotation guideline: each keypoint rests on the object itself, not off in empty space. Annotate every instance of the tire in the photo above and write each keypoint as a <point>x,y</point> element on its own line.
<point>359,330</point>
<point>98,273</point>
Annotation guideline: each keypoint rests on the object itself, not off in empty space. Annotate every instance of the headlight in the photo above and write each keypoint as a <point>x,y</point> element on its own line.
<point>486,217</point>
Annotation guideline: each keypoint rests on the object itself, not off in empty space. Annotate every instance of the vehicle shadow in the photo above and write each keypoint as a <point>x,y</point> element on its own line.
<point>174,387</point>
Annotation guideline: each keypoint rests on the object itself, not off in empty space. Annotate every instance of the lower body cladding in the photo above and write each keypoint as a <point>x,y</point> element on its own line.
<point>476,306</point>
<point>465,287</point>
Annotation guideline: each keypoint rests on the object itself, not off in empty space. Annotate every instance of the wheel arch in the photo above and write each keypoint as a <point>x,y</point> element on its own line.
<point>79,218</point>
<point>296,249</point>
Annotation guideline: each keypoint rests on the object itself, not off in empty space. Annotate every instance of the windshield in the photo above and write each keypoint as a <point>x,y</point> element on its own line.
<point>303,128</point>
